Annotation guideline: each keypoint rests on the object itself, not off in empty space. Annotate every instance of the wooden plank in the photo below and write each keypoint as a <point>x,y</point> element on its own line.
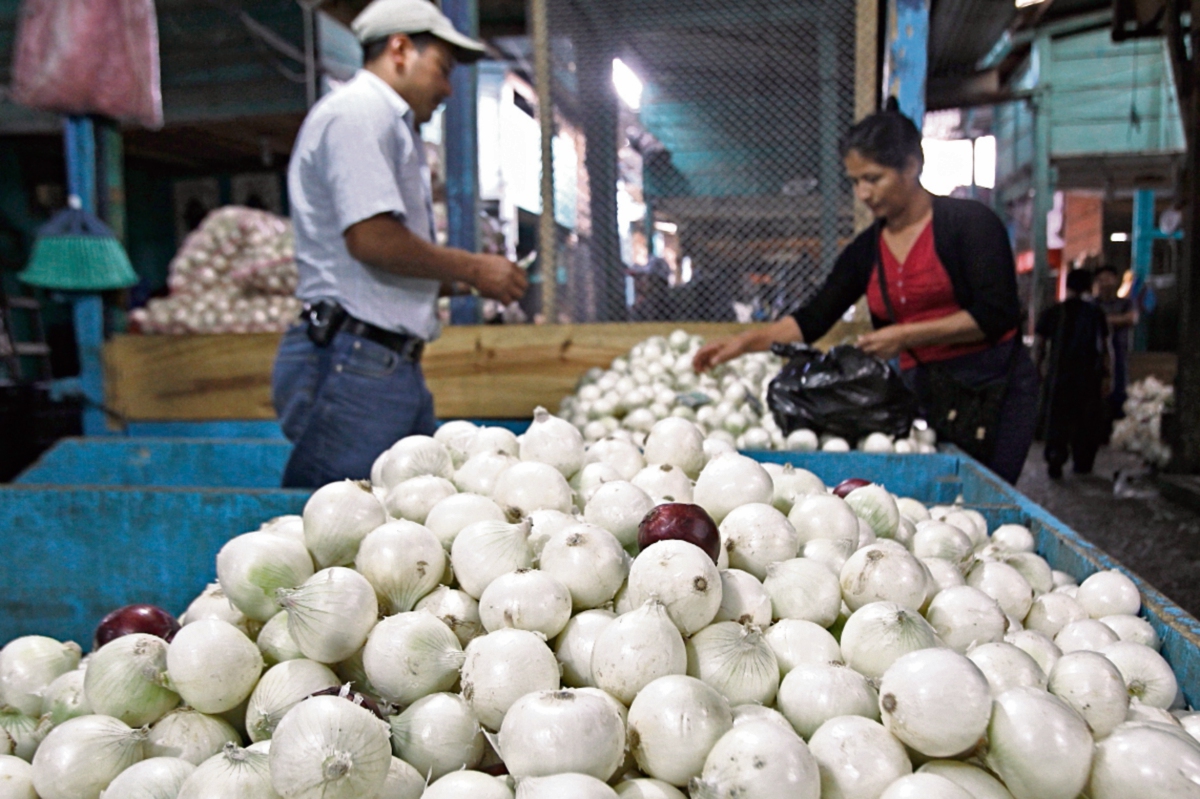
<point>487,371</point>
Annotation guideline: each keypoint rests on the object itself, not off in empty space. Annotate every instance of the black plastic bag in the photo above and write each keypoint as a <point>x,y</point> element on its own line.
<point>844,392</point>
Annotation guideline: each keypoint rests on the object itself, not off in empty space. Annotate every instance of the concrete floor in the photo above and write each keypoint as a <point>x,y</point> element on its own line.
<point>1153,537</point>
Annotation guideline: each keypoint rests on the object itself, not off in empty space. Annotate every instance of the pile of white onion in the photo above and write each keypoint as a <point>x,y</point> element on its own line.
<point>655,380</point>
<point>487,590</point>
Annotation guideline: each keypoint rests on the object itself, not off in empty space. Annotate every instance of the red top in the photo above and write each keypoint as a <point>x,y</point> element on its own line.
<point>920,290</point>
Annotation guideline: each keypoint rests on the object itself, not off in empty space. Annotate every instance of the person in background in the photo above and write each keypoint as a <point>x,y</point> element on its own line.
<point>1071,348</point>
<point>347,382</point>
<point>949,280</point>
<point>1121,315</point>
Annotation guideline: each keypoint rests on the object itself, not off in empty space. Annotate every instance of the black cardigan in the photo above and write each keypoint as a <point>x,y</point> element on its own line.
<point>972,244</point>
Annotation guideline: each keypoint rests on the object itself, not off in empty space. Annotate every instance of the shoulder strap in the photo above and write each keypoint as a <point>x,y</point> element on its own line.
<point>887,301</point>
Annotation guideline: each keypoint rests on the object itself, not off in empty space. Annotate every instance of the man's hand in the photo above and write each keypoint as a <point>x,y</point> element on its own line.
<point>498,278</point>
<point>718,352</point>
<point>885,343</point>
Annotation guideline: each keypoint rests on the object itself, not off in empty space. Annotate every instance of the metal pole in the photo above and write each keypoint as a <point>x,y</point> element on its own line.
<point>547,235</point>
<point>462,154</point>
<point>310,53</point>
<point>833,192</point>
<point>1043,180</point>
<point>1186,443</point>
<point>906,59</point>
<point>1142,246</point>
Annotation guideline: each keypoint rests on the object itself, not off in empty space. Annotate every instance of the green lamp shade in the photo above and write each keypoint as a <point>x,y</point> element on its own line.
<point>75,251</point>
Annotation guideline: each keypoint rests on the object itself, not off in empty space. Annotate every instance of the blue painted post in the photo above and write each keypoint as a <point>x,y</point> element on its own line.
<point>87,310</point>
<point>462,153</point>
<point>906,59</point>
<point>1144,233</point>
<point>1043,179</point>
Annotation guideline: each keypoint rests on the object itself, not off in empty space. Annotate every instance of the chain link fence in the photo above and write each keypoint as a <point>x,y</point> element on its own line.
<point>697,175</point>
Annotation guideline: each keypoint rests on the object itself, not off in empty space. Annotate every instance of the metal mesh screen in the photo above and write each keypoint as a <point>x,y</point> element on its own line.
<point>720,195</point>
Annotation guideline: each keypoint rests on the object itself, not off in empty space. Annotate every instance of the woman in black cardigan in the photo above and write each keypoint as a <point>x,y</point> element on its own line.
<point>951,288</point>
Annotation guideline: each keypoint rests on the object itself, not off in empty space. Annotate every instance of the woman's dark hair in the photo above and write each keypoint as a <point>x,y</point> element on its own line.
<point>1080,280</point>
<point>888,138</point>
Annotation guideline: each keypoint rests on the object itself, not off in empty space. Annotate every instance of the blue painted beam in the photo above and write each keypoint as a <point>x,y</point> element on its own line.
<point>462,153</point>
<point>906,60</point>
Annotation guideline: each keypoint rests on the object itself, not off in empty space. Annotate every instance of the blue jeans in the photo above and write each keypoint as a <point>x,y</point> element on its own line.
<point>342,405</point>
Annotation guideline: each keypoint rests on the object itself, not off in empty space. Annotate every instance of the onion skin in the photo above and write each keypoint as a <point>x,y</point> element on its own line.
<point>1038,745</point>
<point>149,619</point>
<point>680,521</point>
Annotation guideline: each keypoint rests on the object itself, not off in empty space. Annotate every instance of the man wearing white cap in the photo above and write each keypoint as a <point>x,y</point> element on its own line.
<point>347,381</point>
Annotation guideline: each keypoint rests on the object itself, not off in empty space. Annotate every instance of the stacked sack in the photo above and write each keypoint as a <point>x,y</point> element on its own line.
<point>1140,431</point>
<point>236,273</point>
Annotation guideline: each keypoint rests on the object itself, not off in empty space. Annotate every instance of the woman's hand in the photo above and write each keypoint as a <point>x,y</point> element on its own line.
<point>718,352</point>
<point>886,342</point>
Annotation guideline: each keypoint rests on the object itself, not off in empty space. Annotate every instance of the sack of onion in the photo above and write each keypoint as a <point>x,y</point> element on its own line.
<point>547,634</point>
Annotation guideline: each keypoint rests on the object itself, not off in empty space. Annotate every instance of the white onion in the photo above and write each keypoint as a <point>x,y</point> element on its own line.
<point>415,497</point>
<point>1004,584</point>
<point>824,516</point>
<point>874,505</point>
<point>503,666</point>
<point>677,442</point>
<point>1033,568</point>
<point>635,649</point>
<point>646,788</point>
<point>833,554</point>
<point>126,679</point>
<point>878,573</point>
<point>1085,635</point>
<point>485,550</point>
<point>1144,761</point>
<point>588,561</point>
<point>858,758</point>
<point>545,523</point>
<point>82,756</point>
<point>755,760</point>
<point>336,519</point>
<point>280,689</point>
<point>912,509</point>
<point>978,783</point>
<point>925,786</point>
<point>1092,685</point>
<point>403,782</point>
<point>403,561</point>
<point>836,444</point>
<point>714,445</point>
<point>664,483</point>
<point>729,482</point>
<point>1038,745</point>
<point>574,646</point>
<point>454,514</point>
<point>576,786</point>
<point>21,735</point>
<point>587,481</point>
<point>1006,666</point>
<point>457,610</point>
<point>526,599</point>
<point>1148,677</point>
<point>743,599</point>
<point>438,734</point>
<point>621,455</point>
<point>16,776</point>
<point>411,655</point>
<point>1133,628</point>
<point>801,588</point>
<point>552,441</point>
<point>1049,613</point>
<point>1014,538</point>
<point>479,473</point>
<point>251,566</point>
<point>414,456</point>
<point>965,617</point>
<point>943,574</point>
<point>152,778</point>
<point>213,604</point>
<point>971,523</point>
<point>213,666</point>
<point>65,698</point>
<point>918,690</point>
<point>802,440</point>
<point>673,724</point>
<point>30,663</point>
<point>757,535</point>
<point>934,539</point>
<point>528,486</point>
<point>189,735</point>
<point>473,784</point>
<point>813,693</point>
<point>745,714</point>
<point>879,633</point>
<point>1109,593</point>
<point>330,614</point>
<point>866,535</point>
<point>559,732</point>
<point>792,483</point>
<point>1038,646</point>
<point>494,439</point>
<point>734,659</point>
<point>797,642</point>
<point>328,747</point>
<point>456,436</point>
<point>683,577</point>
<point>619,507</point>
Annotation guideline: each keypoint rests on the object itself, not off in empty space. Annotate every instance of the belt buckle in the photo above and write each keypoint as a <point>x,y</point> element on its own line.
<point>413,348</point>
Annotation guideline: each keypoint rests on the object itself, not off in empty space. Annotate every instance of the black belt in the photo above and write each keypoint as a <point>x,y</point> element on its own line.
<point>326,319</point>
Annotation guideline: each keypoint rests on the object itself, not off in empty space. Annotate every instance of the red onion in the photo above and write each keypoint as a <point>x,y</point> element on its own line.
<point>849,484</point>
<point>135,619</point>
<point>682,522</point>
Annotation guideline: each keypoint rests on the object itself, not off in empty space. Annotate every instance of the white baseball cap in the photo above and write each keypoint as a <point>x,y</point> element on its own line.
<point>382,18</point>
